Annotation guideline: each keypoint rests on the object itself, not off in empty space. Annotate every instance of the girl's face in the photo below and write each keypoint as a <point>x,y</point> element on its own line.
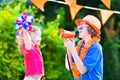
<point>82,29</point>
<point>36,37</point>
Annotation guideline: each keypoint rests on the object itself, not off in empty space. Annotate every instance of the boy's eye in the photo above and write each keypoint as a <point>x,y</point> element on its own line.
<point>80,28</point>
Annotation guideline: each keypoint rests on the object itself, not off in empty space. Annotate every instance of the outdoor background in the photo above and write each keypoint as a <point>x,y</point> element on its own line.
<point>55,17</point>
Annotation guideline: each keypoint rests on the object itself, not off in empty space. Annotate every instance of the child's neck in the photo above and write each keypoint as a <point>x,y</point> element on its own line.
<point>87,38</point>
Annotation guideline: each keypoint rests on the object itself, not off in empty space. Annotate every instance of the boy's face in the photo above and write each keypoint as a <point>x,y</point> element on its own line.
<point>82,29</point>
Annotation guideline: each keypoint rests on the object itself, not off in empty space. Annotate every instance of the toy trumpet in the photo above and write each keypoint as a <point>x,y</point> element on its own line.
<point>66,34</point>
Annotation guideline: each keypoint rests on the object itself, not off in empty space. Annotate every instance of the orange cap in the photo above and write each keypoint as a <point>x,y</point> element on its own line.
<point>92,21</point>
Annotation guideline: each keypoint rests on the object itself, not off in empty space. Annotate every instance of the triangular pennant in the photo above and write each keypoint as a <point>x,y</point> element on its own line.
<point>74,10</point>
<point>39,3</point>
<point>71,2</point>
<point>105,15</point>
<point>107,3</point>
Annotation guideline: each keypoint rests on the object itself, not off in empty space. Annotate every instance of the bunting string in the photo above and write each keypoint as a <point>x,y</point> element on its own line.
<point>87,7</point>
<point>75,8</point>
<point>61,2</point>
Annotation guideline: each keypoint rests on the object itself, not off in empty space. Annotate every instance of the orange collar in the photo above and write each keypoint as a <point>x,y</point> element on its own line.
<point>84,50</point>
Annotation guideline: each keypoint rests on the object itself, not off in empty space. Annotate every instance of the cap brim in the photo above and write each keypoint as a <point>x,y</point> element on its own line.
<point>78,21</point>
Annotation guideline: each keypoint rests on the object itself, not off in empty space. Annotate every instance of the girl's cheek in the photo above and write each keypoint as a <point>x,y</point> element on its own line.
<point>38,40</point>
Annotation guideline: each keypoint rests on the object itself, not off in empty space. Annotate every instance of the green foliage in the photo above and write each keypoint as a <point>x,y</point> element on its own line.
<point>111,60</point>
<point>11,61</point>
<point>53,51</point>
<point>111,53</point>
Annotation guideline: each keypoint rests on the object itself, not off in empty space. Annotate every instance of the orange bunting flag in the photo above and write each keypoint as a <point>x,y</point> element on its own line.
<point>105,14</point>
<point>71,3</point>
<point>74,8</point>
<point>39,3</point>
<point>107,3</point>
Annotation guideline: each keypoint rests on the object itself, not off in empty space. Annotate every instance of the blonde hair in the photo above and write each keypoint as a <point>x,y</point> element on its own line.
<point>36,30</point>
<point>19,40</point>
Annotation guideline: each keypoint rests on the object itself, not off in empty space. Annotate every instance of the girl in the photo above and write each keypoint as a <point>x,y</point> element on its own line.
<point>28,43</point>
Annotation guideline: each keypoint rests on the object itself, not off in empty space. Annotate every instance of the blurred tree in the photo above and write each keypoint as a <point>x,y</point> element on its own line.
<point>55,17</point>
<point>11,61</point>
<point>111,52</point>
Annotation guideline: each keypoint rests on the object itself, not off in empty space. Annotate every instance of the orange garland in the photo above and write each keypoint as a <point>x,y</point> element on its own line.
<point>84,50</point>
